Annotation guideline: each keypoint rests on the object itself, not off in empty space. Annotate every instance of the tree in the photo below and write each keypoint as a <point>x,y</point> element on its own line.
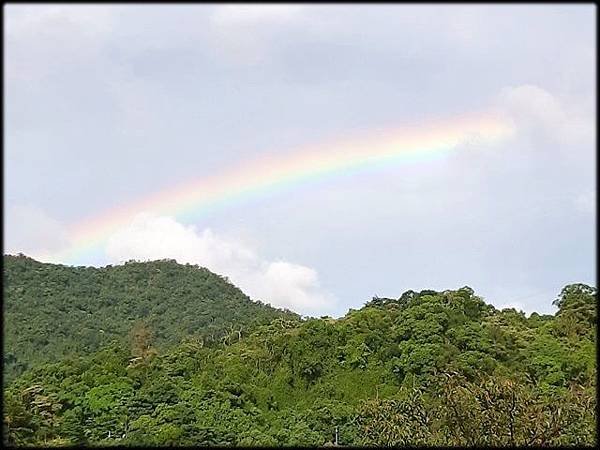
<point>577,310</point>
<point>141,339</point>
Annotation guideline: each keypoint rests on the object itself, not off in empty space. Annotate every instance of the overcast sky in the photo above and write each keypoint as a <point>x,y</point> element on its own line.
<point>105,105</point>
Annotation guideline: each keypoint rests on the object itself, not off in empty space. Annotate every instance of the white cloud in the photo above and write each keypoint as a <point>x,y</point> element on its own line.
<point>533,103</point>
<point>244,34</point>
<point>46,44</point>
<point>535,110</point>
<point>235,15</point>
<point>512,305</point>
<point>280,283</point>
<point>585,202</point>
<point>30,230</point>
<point>33,20</point>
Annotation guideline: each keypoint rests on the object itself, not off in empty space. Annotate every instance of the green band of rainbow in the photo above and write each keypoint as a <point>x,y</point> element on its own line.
<point>193,199</point>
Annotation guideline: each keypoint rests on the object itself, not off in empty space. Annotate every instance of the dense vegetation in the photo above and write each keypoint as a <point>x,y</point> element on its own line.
<point>52,311</point>
<point>429,368</point>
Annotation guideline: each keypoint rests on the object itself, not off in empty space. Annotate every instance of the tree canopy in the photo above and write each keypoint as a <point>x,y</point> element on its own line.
<point>428,368</point>
<point>54,311</point>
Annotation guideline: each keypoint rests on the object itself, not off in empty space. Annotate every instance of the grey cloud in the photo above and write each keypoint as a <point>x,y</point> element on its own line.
<point>107,104</point>
<point>30,230</point>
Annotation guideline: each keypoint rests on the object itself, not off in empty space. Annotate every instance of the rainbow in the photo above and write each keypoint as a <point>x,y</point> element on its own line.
<point>193,199</point>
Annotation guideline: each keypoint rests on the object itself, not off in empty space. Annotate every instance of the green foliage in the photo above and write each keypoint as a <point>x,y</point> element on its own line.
<point>429,368</point>
<point>577,314</point>
<point>53,311</point>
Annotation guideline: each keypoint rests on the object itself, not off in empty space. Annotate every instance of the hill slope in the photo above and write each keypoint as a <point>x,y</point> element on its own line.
<point>429,368</point>
<point>51,311</point>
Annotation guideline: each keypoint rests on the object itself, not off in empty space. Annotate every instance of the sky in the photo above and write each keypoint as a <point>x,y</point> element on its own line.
<point>108,106</point>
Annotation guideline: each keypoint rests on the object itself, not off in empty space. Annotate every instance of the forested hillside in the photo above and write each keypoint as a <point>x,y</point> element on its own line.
<point>52,311</point>
<point>428,368</point>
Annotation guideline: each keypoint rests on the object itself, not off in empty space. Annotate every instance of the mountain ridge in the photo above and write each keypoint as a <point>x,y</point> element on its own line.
<point>85,308</point>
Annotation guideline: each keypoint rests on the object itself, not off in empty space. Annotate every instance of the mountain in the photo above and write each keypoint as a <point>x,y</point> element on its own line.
<point>429,368</point>
<point>53,311</point>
